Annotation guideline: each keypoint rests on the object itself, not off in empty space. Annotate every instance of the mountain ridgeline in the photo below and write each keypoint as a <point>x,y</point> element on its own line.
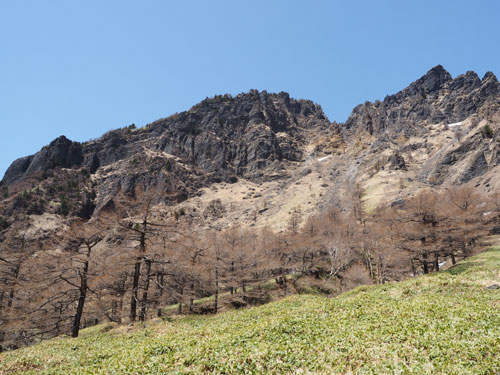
<point>220,139</point>
<point>434,98</point>
<point>242,200</point>
<point>247,134</point>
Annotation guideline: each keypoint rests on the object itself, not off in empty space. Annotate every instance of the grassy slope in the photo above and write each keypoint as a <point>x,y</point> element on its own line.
<point>446,323</point>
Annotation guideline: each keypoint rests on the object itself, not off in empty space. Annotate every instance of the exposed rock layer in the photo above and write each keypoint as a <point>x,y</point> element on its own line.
<point>261,137</point>
<point>434,98</point>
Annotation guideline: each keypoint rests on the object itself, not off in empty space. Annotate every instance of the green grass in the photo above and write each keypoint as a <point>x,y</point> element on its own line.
<point>446,323</point>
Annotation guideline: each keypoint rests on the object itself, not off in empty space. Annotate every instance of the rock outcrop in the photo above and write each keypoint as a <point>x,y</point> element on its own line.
<point>61,152</point>
<point>262,138</point>
<point>224,138</point>
<point>434,98</point>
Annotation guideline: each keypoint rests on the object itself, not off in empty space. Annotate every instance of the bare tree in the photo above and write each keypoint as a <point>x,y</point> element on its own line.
<point>87,237</point>
<point>135,216</point>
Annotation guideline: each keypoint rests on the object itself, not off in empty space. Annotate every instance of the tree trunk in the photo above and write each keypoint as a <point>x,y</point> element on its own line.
<point>191,298</point>
<point>160,292</point>
<point>144,301</point>
<point>425,263</point>
<point>81,299</point>
<point>11,294</point>
<point>135,288</point>
<point>79,311</point>
<point>368,258</point>
<point>216,299</point>
<point>453,259</point>
<point>137,273</point>
<point>180,301</point>
<point>436,261</point>
<point>114,311</point>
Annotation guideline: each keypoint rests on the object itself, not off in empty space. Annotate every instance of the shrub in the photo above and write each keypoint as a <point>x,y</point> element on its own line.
<point>26,195</point>
<point>36,208</point>
<point>4,224</point>
<point>71,185</point>
<point>487,132</point>
<point>64,207</point>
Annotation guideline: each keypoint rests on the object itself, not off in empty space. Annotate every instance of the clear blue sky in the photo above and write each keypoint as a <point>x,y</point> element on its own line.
<point>80,68</point>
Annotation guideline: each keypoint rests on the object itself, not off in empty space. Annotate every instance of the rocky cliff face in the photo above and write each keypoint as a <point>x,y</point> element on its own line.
<point>248,135</point>
<point>434,98</point>
<point>61,152</point>
<point>266,147</point>
<point>241,136</point>
<point>445,128</point>
<point>251,136</point>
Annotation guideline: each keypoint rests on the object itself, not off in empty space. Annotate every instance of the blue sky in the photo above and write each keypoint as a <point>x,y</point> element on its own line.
<point>80,68</point>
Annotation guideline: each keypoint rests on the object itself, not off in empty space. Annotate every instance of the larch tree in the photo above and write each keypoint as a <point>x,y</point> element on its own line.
<point>136,216</point>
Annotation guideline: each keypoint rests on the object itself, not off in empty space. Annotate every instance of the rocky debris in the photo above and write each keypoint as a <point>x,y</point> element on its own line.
<point>214,210</point>
<point>399,203</point>
<point>493,287</point>
<point>412,147</point>
<point>397,162</point>
<point>305,172</point>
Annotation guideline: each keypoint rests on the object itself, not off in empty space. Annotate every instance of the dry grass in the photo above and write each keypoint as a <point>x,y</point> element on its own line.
<point>446,323</point>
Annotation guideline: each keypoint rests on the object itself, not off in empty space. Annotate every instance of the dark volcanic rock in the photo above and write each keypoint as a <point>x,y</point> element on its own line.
<point>17,169</point>
<point>397,162</point>
<point>248,136</point>
<point>432,81</point>
<point>469,156</point>
<point>61,152</point>
<point>214,210</point>
<point>477,166</point>
<point>252,136</point>
<point>434,98</point>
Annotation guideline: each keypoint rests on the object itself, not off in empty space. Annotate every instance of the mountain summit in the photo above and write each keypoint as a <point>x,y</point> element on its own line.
<point>260,137</point>
<point>243,199</point>
<point>434,98</point>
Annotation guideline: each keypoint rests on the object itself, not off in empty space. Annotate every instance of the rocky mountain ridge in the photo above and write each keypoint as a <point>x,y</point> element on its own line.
<point>434,98</point>
<point>242,135</point>
<point>221,139</point>
<point>258,157</point>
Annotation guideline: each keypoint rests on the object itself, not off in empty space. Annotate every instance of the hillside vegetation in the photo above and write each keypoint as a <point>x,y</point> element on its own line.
<point>239,191</point>
<point>443,323</point>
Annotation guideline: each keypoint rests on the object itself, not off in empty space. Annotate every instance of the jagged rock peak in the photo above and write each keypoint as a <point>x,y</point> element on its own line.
<point>434,79</point>
<point>61,152</point>
<point>430,82</point>
<point>489,76</point>
<point>227,135</point>
<point>261,100</point>
<point>245,133</point>
<point>435,97</point>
